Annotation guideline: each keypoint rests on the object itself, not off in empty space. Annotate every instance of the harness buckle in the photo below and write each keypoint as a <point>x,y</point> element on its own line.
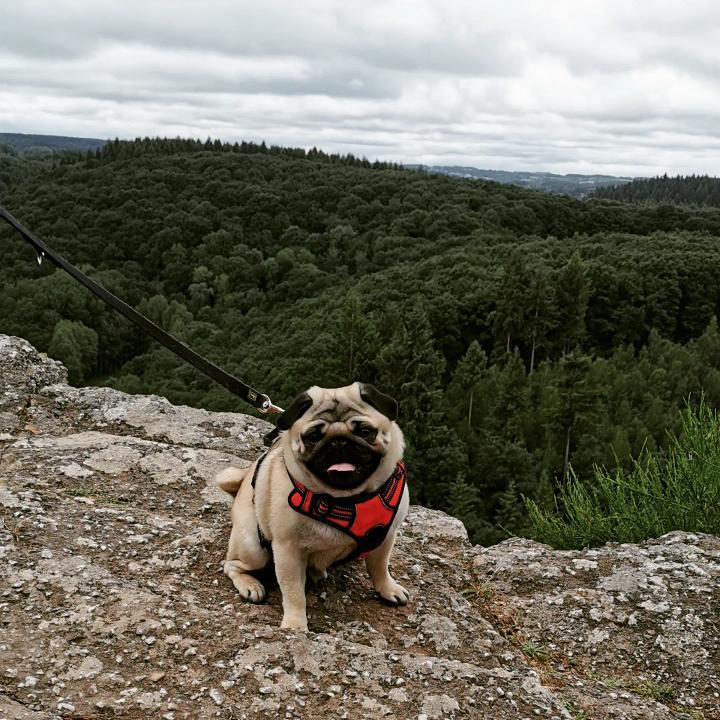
<point>323,504</point>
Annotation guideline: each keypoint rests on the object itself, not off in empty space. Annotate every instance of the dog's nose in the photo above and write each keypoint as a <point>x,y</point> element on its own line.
<point>337,443</point>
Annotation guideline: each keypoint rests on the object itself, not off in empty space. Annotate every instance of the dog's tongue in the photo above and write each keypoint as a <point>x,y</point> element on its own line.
<point>341,467</point>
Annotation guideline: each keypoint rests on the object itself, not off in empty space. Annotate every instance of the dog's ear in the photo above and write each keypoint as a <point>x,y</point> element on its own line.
<point>298,407</point>
<point>385,404</point>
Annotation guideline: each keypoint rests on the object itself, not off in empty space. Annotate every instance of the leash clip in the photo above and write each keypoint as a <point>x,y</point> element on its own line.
<point>269,407</point>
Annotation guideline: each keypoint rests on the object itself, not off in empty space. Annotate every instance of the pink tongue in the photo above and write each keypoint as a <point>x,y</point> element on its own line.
<point>341,467</point>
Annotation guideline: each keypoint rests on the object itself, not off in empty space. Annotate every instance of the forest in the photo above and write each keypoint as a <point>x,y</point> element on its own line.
<point>527,336</point>
<point>679,190</point>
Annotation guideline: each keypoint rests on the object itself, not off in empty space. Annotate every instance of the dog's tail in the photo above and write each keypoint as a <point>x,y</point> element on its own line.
<point>230,479</point>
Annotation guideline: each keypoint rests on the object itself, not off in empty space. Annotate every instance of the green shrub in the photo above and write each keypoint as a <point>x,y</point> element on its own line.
<point>678,491</point>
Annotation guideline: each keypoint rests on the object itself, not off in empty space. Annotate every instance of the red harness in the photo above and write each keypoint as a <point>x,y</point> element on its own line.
<point>366,518</point>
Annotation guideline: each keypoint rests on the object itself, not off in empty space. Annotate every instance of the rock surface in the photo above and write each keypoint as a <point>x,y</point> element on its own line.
<point>112,603</point>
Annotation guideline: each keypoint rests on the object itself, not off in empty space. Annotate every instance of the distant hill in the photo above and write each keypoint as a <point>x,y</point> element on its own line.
<point>680,190</point>
<point>573,185</point>
<point>578,186</point>
<point>31,144</point>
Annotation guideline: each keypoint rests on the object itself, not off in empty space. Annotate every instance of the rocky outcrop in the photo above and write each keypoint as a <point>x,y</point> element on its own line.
<point>112,601</point>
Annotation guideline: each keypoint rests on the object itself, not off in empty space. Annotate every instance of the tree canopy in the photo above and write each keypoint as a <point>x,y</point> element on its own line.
<point>679,190</point>
<point>522,333</point>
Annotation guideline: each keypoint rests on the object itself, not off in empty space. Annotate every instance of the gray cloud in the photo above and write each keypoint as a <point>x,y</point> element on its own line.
<point>580,86</point>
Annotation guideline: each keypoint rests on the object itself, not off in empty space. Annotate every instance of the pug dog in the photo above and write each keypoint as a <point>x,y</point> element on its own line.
<point>330,488</point>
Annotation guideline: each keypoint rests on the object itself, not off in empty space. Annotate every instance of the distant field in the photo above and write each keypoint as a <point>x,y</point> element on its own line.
<point>574,185</point>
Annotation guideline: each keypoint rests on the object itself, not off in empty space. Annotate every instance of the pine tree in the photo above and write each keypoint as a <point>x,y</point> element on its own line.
<point>464,503</point>
<point>410,366</point>
<point>464,389</point>
<point>575,398</point>
<point>572,292</point>
<point>510,315</point>
<point>510,516</point>
<point>540,313</point>
<point>352,350</point>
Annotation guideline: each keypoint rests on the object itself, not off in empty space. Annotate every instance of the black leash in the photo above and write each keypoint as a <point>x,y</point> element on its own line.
<point>258,400</point>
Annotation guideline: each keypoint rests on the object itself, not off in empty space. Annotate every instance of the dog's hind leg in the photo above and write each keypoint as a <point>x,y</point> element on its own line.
<point>245,553</point>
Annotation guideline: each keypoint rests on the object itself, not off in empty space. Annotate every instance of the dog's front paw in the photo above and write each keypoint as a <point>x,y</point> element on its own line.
<point>393,592</point>
<point>294,622</point>
<point>250,588</point>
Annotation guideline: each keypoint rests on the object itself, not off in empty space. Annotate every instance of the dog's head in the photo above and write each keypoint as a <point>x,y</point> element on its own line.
<point>341,440</point>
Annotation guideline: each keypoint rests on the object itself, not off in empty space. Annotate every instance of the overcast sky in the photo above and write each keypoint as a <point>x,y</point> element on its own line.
<point>618,87</point>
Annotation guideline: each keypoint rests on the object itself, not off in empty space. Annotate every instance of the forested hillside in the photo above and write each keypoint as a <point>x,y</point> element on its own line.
<point>520,331</point>
<point>25,144</point>
<point>680,190</point>
<point>13,167</point>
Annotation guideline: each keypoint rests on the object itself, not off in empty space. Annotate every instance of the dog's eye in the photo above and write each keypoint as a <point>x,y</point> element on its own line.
<point>313,435</point>
<point>366,432</point>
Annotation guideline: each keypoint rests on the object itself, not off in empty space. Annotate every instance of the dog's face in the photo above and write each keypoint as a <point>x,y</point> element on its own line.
<point>342,439</point>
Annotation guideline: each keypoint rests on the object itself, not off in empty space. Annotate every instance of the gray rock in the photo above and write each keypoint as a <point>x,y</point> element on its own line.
<point>111,602</point>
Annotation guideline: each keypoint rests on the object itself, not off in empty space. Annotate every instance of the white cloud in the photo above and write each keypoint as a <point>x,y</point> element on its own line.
<point>603,86</point>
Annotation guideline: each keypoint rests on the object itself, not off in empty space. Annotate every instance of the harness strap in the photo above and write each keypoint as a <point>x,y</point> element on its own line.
<point>265,544</point>
<point>366,517</point>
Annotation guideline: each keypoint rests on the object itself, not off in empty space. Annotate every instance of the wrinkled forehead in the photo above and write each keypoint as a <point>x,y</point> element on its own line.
<point>334,406</point>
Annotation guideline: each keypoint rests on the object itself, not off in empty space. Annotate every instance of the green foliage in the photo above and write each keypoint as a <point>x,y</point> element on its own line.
<point>535,651</point>
<point>680,190</point>
<point>510,518</point>
<point>465,503</point>
<point>76,346</point>
<point>520,332</point>
<point>661,692</point>
<point>677,491</point>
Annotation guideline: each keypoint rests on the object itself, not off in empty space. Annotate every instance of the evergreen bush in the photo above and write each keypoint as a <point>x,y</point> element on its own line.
<point>678,490</point>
